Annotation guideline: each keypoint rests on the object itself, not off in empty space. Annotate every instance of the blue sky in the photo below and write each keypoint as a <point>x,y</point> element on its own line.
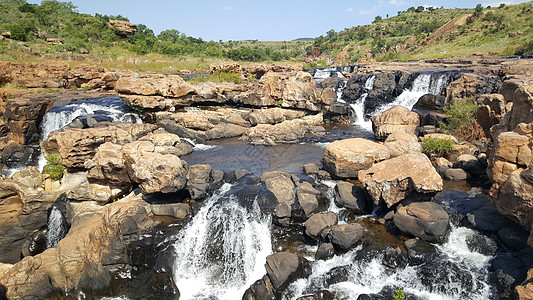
<point>272,20</point>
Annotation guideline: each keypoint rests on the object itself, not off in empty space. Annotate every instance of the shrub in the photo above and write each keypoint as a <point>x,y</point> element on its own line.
<point>437,147</point>
<point>218,76</point>
<point>54,166</point>
<point>458,114</point>
<point>398,295</point>
<point>469,131</point>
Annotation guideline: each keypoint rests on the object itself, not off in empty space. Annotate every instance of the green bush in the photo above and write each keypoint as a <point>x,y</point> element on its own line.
<point>54,166</point>
<point>398,295</point>
<point>458,114</point>
<point>218,77</point>
<point>437,147</point>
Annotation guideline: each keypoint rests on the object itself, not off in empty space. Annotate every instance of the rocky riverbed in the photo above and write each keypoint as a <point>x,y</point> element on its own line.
<point>274,188</point>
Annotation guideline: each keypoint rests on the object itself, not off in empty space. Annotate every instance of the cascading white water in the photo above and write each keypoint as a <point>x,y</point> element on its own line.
<point>323,73</point>
<point>222,251</point>
<point>56,230</point>
<point>198,146</point>
<point>462,274</point>
<point>60,116</point>
<point>359,106</point>
<point>425,83</point>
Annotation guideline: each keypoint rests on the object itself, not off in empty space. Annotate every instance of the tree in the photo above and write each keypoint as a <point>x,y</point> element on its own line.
<point>170,35</point>
<point>377,19</point>
<point>478,11</point>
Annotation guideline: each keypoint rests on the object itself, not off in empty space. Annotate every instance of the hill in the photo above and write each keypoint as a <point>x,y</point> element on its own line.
<point>431,32</point>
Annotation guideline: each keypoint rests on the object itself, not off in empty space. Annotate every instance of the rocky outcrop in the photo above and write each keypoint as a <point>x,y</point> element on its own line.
<point>391,181</point>
<point>76,146</point>
<point>123,28</point>
<point>426,220</point>
<point>471,86</point>
<point>492,110</point>
<point>22,117</point>
<point>24,210</point>
<point>345,158</point>
<point>395,119</point>
<point>89,256</point>
<point>167,86</point>
<point>285,132</point>
<point>284,267</point>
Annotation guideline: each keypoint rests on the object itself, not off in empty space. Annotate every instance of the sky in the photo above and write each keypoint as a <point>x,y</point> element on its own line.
<point>271,20</point>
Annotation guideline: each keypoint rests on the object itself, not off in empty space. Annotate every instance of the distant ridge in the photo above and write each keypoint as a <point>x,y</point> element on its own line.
<point>304,39</point>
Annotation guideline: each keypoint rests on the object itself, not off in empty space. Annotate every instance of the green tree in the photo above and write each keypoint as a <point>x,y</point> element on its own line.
<point>478,11</point>
<point>170,35</point>
<point>377,19</point>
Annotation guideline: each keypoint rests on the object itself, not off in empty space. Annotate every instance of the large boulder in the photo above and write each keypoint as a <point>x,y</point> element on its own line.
<point>426,220</point>
<point>394,119</point>
<point>345,158</point>
<point>284,267</point>
<point>345,236</point>
<point>392,180</point>
<point>400,143</point>
<point>273,115</point>
<point>318,222</point>
<point>471,85</point>
<point>281,185</point>
<point>22,117</point>
<point>172,86</point>
<point>351,197</point>
<point>516,197</point>
<point>307,197</point>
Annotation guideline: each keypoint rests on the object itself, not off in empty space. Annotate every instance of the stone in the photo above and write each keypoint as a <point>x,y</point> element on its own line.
<point>198,179</point>
<point>30,177</point>
<point>456,174</point>
<point>280,184</point>
<point>273,115</point>
<point>392,180</point>
<point>439,136</point>
<point>176,210</point>
<point>124,28</point>
<point>284,267</point>
<point>470,86</point>
<point>307,198</point>
<point>318,222</point>
<point>351,197</point>
<point>515,197</point>
<point>397,118</point>
<point>470,163</point>
<point>345,236</point>
<point>345,158</point>
<point>400,143</point>
<point>491,112</point>
<point>325,251</point>
<point>525,290</point>
<point>290,131</point>
<point>172,86</point>
<point>311,169</point>
<point>426,220</point>
<point>430,102</point>
<point>262,289</point>
<point>513,237</point>
<point>95,244</point>
<point>441,164</point>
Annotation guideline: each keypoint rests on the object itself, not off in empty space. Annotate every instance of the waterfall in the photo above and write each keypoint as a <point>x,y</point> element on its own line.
<point>457,273</point>
<point>222,251</point>
<point>425,83</point>
<point>322,73</point>
<point>56,227</point>
<point>106,108</point>
<point>110,108</point>
<point>359,106</point>
<point>198,146</point>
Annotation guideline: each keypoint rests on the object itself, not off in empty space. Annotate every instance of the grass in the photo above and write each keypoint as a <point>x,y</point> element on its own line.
<point>398,295</point>
<point>54,166</point>
<point>437,147</point>
<point>459,113</point>
<point>218,77</point>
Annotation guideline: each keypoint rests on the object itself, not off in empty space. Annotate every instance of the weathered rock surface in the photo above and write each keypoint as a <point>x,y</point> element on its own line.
<point>345,158</point>
<point>351,197</point>
<point>318,222</point>
<point>307,197</point>
<point>76,146</point>
<point>86,257</point>
<point>285,132</point>
<point>325,251</point>
<point>392,180</point>
<point>394,119</point>
<point>166,86</point>
<point>124,28</point>
<point>471,85</point>
<point>345,236</point>
<point>400,143</point>
<point>426,220</point>
<point>281,185</point>
<point>284,267</point>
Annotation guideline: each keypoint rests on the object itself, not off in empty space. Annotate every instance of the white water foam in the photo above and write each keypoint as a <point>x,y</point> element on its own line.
<point>56,231</point>
<point>370,277</point>
<point>323,73</point>
<point>359,106</point>
<point>222,251</point>
<point>198,146</point>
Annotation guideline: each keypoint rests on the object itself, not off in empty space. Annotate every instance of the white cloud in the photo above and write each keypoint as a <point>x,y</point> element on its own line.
<point>397,2</point>
<point>228,8</point>
<point>496,3</point>
<point>350,10</point>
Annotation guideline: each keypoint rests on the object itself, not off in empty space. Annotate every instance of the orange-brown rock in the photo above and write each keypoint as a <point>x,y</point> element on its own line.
<point>345,158</point>
<point>392,180</point>
<point>394,119</point>
<point>162,85</point>
<point>123,28</point>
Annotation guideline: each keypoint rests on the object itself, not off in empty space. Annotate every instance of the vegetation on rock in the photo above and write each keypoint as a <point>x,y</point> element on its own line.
<point>54,166</point>
<point>437,147</point>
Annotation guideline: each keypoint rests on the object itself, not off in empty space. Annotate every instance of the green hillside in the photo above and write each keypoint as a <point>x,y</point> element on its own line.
<point>433,32</point>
